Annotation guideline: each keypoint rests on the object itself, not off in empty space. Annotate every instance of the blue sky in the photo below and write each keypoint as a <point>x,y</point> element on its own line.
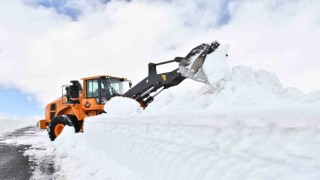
<point>14,102</point>
<point>65,7</point>
<point>60,7</point>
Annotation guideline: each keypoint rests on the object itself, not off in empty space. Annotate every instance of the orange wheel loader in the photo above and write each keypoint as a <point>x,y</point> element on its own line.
<point>80,101</point>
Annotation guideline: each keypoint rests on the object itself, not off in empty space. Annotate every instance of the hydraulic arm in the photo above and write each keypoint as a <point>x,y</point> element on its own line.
<point>190,66</point>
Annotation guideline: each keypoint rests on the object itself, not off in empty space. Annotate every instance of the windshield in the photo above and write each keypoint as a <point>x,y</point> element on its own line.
<point>114,86</point>
<point>104,89</point>
<point>110,88</point>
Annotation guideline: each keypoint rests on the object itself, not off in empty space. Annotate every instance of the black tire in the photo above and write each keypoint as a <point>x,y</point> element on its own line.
<point>76,124</point>
<point>57,122</point>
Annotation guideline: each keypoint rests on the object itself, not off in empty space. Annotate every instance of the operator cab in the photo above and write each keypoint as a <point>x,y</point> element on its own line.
<point>103,88</point>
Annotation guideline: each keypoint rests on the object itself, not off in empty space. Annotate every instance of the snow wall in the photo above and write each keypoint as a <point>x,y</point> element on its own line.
<point>244,126</point>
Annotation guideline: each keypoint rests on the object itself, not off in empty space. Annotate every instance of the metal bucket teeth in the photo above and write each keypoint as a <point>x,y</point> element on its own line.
<point>201,76</point>
<point>194,70</point>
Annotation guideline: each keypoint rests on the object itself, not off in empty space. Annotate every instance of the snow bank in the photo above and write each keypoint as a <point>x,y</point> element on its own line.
<point>246,125</point>
<point>8,125</point>
<point>79,159</point>
<point>265,144</point>
<point>241,88</point>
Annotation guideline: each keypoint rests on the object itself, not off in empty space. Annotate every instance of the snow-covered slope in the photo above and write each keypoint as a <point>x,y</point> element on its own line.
<point>9,124</point>
<point>265,143</point>
<point>244,126</point>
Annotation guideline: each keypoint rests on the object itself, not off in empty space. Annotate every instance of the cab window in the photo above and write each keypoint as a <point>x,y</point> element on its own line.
<point>92,88</point>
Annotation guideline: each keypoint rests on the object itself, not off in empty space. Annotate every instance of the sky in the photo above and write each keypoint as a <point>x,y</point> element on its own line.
<point>14,103</point>
<point>46,43</point>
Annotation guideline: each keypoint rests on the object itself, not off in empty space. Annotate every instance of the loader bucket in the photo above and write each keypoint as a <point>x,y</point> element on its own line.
<point>191,65</point>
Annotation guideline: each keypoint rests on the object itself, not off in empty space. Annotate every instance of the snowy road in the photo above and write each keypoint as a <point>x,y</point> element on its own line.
<point>13,165</point>
<point>21,155</point>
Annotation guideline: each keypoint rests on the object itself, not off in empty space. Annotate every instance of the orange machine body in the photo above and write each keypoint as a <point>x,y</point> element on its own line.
<point>87,106</point>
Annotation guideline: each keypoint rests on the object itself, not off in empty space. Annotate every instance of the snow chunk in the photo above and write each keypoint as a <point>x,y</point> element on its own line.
<point>216,66</point>
<point>313,97</point>
<point>122,106</point>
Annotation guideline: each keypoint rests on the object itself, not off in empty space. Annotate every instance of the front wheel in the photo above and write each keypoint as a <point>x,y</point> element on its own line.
<point>56,126</point>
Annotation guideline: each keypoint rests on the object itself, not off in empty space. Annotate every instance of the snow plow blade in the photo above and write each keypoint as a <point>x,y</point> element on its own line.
<point>191,65</point>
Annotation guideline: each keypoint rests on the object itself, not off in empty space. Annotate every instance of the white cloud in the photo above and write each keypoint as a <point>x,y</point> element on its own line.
<point>29,98</point>
<point>41,50</point>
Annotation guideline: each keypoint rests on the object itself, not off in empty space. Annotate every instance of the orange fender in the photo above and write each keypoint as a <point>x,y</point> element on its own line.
<point>42,124</point>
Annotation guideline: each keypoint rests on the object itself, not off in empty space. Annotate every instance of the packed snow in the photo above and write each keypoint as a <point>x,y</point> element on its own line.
<point>244,125</point>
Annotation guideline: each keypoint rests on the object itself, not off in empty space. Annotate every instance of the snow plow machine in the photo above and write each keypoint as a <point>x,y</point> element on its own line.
<point>78,102</point>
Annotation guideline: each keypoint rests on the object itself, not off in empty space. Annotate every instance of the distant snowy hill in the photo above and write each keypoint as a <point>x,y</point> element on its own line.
<point>246,125</point>
<point>11,123</point>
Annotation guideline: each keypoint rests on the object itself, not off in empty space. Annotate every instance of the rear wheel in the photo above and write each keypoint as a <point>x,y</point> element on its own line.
<point>57,125</point>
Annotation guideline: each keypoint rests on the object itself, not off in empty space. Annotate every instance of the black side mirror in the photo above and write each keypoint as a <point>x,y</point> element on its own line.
<point>130,84</point>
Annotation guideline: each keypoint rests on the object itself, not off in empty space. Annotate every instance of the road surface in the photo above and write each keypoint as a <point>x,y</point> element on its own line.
<point>15,164</point>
